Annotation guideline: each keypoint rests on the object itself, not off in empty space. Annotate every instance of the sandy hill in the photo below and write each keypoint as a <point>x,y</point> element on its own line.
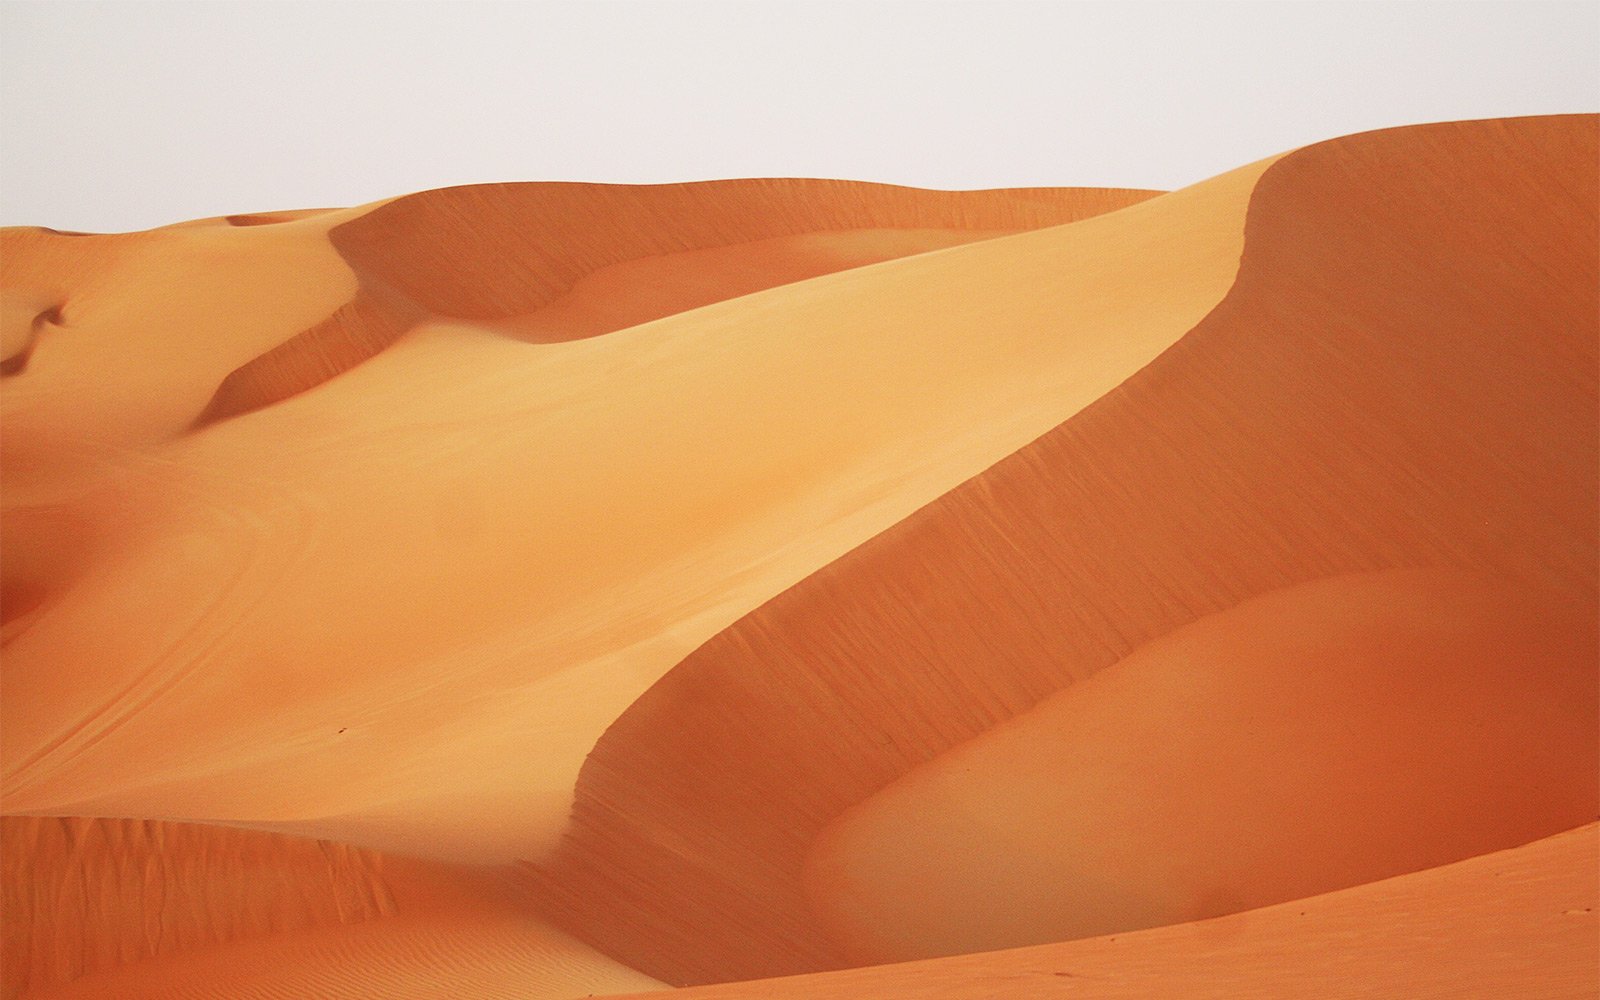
<point>556,589</point>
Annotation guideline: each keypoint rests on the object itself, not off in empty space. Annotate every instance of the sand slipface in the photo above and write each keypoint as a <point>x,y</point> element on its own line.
<point>1326,735</point>
<point>559,589</point>
<point>1402,375</point>
<point>1523,922</point>
<point>565,522</point>
<point>556,262</point>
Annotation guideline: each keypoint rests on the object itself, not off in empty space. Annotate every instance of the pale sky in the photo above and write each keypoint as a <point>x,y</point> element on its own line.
<point>128,115</point>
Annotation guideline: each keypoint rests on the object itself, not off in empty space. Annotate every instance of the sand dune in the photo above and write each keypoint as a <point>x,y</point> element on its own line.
<point>505,252</point>
<point>1522,923</point>
<point>565,522</point>
<point>85,894</point>
<point>694,583</point>
<point>1314,738</point>
<point>125,908</point>
<point>1409,346</point>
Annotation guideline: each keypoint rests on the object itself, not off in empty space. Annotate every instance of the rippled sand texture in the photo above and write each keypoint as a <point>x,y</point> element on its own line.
<point>558,589</point>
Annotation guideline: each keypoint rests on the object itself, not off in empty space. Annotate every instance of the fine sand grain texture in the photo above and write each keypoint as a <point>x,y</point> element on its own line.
<point>554,262</point>
<point>188,910</point>
<point>563,523</point>
<point>1518,923</point>
<point>1313,738</point>
<point>551,590</point>
<point>1402,375</point>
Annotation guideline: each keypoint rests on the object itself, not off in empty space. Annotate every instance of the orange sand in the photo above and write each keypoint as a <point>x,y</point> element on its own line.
<point>192,910</point>
<point>1361,400</point>
<point>565,523</point>
<point>718,581</point>
<point>1314,738</point>
<point>1519,923</point>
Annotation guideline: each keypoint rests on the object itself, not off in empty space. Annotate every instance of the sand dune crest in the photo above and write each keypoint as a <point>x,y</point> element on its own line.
<point>1410,342</point>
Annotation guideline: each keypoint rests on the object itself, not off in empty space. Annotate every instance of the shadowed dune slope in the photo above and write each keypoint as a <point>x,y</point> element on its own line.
<point>204,321</point>
<point>492,251</point>
<point>504,252</point>
<point>1518,923</point>
<point>90,895</point>
<point>83,894</point>
<point>297,315</point>
<point>484,956</point>
<point>324,617</point>
<point>1314,738</point>
<point>767,629</point>
<point>1403,375</point>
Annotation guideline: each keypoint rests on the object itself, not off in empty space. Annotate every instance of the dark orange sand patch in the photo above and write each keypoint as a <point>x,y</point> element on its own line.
<point>1337,546</point>
<point>1314,738</point>
<point>1520,923</point>
<point>257,912</point>
<point>1403,375</point>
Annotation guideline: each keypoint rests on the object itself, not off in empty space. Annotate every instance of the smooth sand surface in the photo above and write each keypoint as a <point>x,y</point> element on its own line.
<point>1519,923</point>
<point>619,586</point>
<point>1403,375</point>
<point>342,631</point>
<point>502,253</point>
<point>1323,736</point>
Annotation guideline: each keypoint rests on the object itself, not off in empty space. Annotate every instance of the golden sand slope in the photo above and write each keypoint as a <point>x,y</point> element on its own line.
<point>206,320</point>
<point>366,525</point>
<point>531,258</point>
<point>1403,375</point>
<point>563,523</point>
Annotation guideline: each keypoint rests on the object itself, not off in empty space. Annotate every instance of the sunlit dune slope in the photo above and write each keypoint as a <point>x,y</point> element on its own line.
<point>620,586</point>
<point>241,913</point>
<point>323,616</point>
<point>118,341</point>
<point>503,253</point>
<point>216,317</point>
<point>1519,923</point>
<point>1402,375</point>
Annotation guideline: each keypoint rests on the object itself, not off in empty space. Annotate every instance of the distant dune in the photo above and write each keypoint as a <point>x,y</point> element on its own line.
<point>560,589</point>
<point>552,262</point>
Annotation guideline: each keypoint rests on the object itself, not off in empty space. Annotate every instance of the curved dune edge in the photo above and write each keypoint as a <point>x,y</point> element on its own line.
<point>170,312</point>
<point>565,522</point>
<point>489,252</point>
<point>502,253</point>
<point>610,299</point>
<point>150,904</point>
<point>1523,922</point>
<point>1410,343</point>
<point>199,322</point>
<point>252,525</point>
<point>1319,737</point>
